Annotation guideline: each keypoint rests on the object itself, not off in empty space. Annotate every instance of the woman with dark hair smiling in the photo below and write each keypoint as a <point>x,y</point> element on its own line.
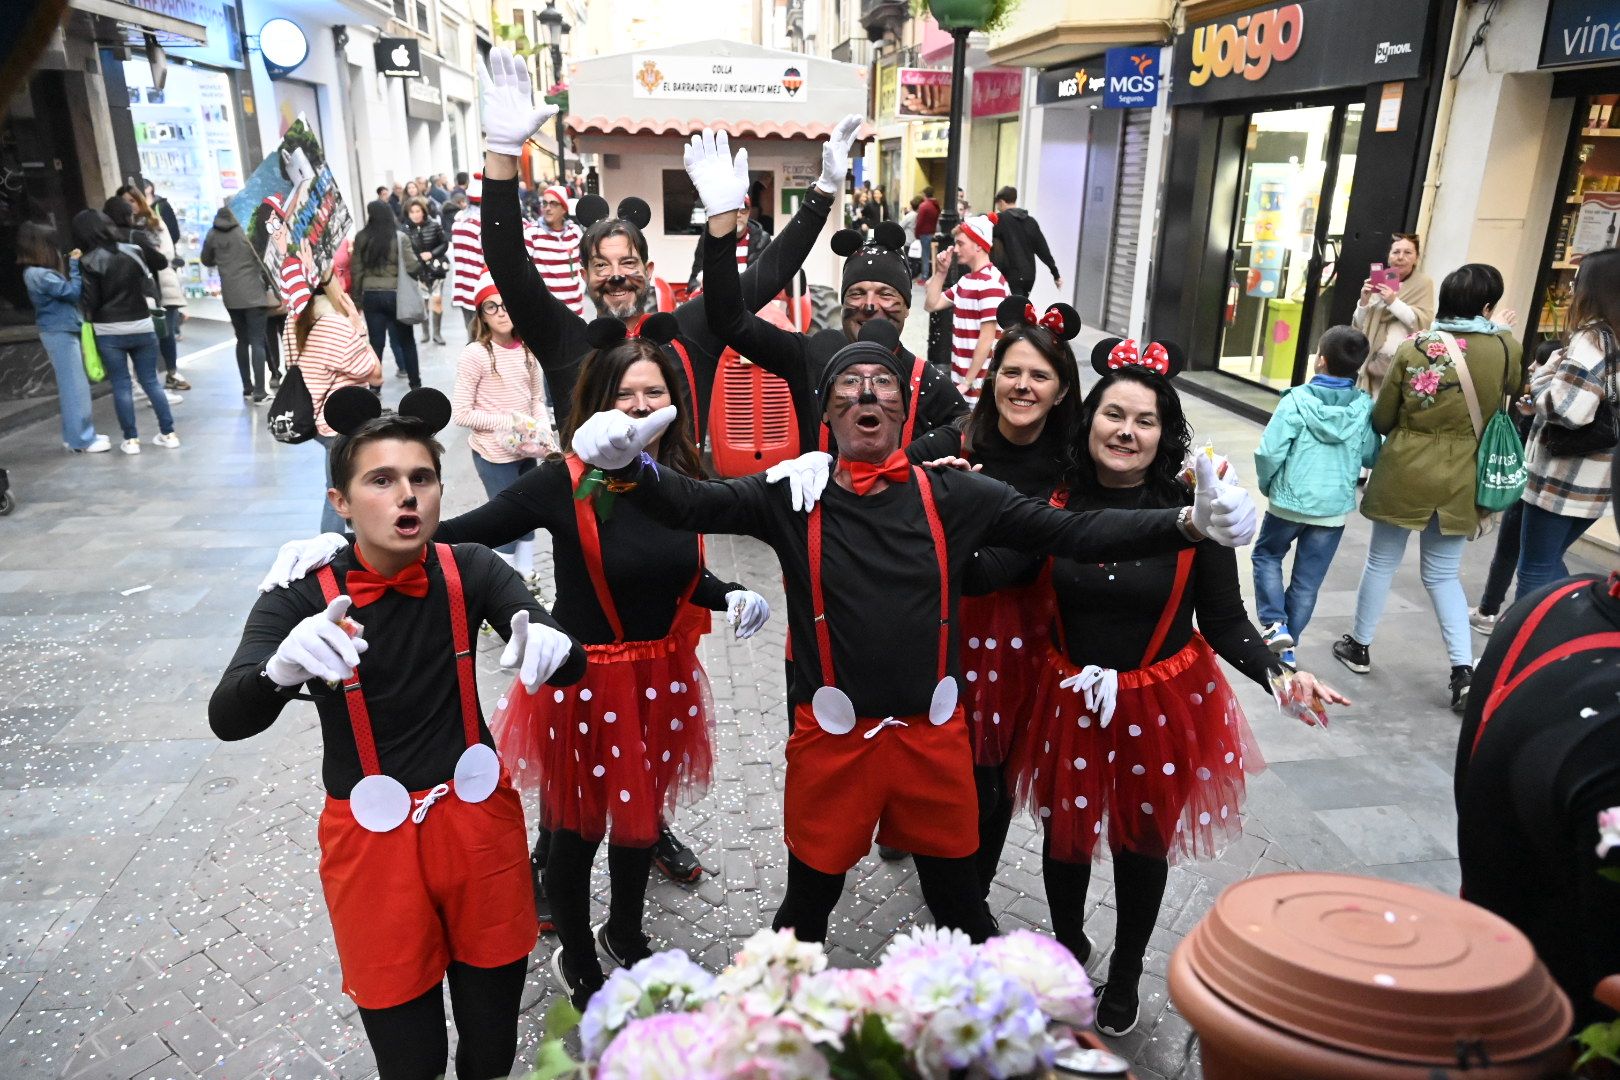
<point>1425,478</point>
<point>1019,434</point>
<point>1134,729</point>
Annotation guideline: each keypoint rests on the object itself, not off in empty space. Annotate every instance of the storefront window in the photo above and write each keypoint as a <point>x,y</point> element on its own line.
<point>1587,215</point>
<point>1006,155</point>
<point>186,135</point>
<point>1277,233</point>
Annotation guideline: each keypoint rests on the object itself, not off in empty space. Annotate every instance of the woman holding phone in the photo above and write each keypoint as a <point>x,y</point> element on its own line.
<point>1396,302</point>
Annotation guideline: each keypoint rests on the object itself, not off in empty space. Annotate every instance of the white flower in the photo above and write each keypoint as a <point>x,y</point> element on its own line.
<point>954,1038</point>
<point>672,977</point>
<point>1608,831</point>
<point>770,1048</point>
<point>670,1046</point>
<point>610,1009</point>
<point>1047,970</point>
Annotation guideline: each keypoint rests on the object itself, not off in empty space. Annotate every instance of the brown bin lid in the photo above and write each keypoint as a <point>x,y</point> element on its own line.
<point>1379,968</point>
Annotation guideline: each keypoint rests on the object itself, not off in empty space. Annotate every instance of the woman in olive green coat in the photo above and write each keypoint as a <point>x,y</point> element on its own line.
<point>1425,476</point>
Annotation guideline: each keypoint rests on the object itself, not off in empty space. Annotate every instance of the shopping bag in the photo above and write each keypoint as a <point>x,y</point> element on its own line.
<point>92,355</point>
<point>1501,470</point>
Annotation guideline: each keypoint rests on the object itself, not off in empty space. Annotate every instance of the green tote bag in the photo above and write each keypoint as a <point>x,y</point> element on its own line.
<point>1501,472</point>
<point>92,355</point>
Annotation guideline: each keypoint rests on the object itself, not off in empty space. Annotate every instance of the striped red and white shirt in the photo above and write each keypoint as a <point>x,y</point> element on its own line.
<point>556,256</point>
<point>294,285</point>
<point>466,256</point>
<point>742,252</point>
<point>336,354</point>
<point>492,383</point>
<point>974,300</point>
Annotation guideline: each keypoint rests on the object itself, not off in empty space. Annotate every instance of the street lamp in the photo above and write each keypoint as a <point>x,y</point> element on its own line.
<point>555,26</point>
<point>948,216</point>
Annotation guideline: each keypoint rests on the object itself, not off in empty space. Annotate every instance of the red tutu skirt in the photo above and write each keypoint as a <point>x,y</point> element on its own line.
<point>1164,778</point>
<point>1006,642</point>
<point>615,753</point>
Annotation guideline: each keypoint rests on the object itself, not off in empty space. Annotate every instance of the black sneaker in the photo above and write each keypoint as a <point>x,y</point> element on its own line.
<point>1462,677</point>
<point>675,859</point>
<point>579,985</point>
<point>892,854</point>
<point>1118,1007</point>
<point>258,397</point>
<point>1353,654</point>
<point>623,955</point>
<point>542,902</point>
<point>275,380</point>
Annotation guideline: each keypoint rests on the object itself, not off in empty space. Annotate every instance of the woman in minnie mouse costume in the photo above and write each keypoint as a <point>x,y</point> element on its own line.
<point>1134,729</point>
<point>423,848</point>
<point>1019,434</point>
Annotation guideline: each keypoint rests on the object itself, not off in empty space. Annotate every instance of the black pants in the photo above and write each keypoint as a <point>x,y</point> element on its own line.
<point>1139,882</point>
<point>950,887</point>
<point>381,308</point>
<point>1021,286</point>
<point>568,887</point>
<point>273,326</point>
<point>409,1040</point>
<point>249,324</point>
<point>1504,561</point>
<point>995,817</point>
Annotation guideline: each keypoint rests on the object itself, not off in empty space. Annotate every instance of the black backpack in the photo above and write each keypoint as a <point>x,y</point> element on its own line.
<point>292,411</point>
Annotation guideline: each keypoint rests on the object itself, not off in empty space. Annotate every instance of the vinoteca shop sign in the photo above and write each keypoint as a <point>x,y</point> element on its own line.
<point>725,78</point>
<point>1301,47</point>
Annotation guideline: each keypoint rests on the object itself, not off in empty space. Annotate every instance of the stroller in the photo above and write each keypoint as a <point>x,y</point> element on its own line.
<point>7,503</point>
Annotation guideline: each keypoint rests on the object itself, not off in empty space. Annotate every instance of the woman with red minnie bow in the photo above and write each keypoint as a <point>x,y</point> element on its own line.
<point>1017,433</point>
<point>1134,731</point>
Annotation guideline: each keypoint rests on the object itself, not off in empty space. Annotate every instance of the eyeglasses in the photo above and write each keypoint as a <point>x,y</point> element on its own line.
<point>490,307</point>
<point>883,383</point>
<point>553,202</point>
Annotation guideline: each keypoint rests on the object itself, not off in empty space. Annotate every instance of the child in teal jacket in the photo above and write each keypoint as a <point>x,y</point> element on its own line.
<point>1307,464</point>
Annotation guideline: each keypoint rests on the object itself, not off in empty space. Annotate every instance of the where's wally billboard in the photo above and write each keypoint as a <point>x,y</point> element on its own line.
<point>292,198</point>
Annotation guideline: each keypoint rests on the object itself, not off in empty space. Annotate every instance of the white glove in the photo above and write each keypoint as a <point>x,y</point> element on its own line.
<point>1223,512</point>
<point>1100,685</point>
<point>835,154</point>
<point>807,477</point>
<point>722,184</point>
<point>747,611</point>
<point>297,558</point>
<point>536,650</point>
<point>506,103</point>
<point>318,648</point>
<point>613,439</point>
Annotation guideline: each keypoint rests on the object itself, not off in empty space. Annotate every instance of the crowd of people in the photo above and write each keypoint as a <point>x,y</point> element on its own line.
<point>947,539</point>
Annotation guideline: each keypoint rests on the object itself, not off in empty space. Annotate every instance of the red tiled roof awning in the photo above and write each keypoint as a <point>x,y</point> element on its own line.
<point>768,129</point>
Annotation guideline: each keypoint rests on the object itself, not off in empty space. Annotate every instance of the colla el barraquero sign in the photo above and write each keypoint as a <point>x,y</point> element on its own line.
<point>1301,47</point>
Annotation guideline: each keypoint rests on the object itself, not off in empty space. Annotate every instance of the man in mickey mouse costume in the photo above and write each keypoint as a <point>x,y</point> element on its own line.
<point>618,276</point>
<point>876,293</point>
<point>424,859</point>
<point>873,572</point>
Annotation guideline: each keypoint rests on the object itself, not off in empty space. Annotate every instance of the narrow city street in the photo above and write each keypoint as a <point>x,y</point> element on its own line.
<point>159,903</point>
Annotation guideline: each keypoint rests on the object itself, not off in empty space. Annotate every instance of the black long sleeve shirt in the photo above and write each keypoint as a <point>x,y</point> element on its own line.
<point>1034,470</point>
<point>1109,608</point>
<point>1529,795</point>
<point>408,672</point>
<point>879,573</point>
<point>557,335</point>
<point>799,359</point>
<point>648,565</point>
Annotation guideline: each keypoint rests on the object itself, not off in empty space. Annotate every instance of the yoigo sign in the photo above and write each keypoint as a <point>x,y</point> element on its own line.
<point>1132,78</point>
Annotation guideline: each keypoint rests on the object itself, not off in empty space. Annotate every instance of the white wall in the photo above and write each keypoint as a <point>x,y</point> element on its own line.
<point>1053,170</point>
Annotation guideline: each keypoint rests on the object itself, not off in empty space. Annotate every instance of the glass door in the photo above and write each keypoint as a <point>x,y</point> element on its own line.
<point>1281,242</point>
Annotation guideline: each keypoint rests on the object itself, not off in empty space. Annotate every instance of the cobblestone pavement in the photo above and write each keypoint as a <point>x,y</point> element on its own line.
<point>160,913</point>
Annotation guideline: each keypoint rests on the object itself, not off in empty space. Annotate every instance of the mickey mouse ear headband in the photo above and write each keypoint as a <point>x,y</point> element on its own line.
<point>593,208</point>
<point>349,409</point>
<point>660,327</point>
<point>1061,319</point>
<point>1160,357</point>
<point>887,237</point>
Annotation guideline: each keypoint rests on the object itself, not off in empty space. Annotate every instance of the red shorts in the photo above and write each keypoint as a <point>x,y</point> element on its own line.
<point>405,903</point>
<point>912,784</point>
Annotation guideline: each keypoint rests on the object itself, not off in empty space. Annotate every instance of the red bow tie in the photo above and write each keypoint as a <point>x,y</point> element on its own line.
<point>366,586</point>
<point>863,474</point>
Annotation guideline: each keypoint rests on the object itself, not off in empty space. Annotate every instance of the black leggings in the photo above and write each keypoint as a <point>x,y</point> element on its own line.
<point>1139,882</point>
<point>249,326</point>
<point>409,1040</point>
<point>950,887</point>
<point>995,818</point>
<point>568,887</point>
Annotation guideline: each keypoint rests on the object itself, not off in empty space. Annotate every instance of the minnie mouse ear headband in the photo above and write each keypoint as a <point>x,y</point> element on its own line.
<point>1060,319</point>
<point>660,327</point>
<point>879,257</point>
<point>593,208</point>
<point>351,408</point>
<point>1160,357</point>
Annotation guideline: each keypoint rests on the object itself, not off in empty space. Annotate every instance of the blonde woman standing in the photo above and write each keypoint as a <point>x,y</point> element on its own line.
<point>1390,311</point>
<point>500,398</point>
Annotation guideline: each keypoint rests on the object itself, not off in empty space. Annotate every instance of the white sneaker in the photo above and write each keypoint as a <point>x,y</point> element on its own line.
<point>1481,623</point>
<point>99,445</point>
<point>174,398</point>
<point>130,446</point>
<point>171,441</point>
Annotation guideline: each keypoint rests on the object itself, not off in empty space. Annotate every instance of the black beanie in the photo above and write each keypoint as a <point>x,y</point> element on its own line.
<point>881,265</point>
<point>862,352</point>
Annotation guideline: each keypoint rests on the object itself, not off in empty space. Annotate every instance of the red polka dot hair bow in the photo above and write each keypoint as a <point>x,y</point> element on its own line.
<point>1159,357</point>
<point>1060,319</point>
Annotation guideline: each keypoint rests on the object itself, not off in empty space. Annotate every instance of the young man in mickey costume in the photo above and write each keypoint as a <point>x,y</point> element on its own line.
<point>873,574</point>
<point>424,858</point>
